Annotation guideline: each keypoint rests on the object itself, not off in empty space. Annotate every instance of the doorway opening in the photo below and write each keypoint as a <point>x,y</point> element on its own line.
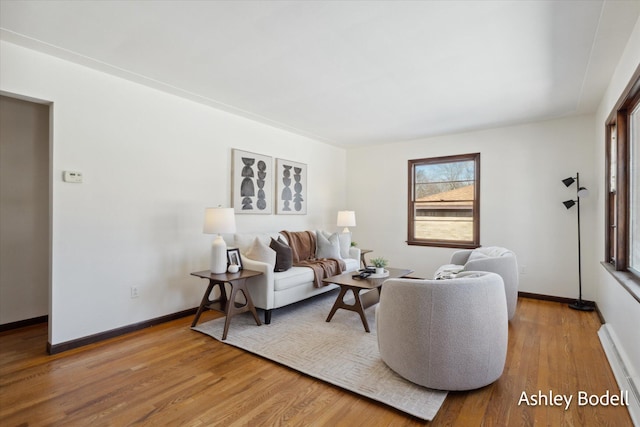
<point>25,212</point>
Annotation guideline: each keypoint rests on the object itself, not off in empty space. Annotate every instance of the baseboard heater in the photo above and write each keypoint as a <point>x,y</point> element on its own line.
<point>626,379</point>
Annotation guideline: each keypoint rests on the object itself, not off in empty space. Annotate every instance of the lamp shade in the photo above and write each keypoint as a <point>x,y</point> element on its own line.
<point>568,181</point>
<point>219,220</point>
<point>569,204</point>
<point>346,219</point>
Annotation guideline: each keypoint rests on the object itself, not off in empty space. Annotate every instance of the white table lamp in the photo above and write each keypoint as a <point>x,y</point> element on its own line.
<point>346,219</point>
<point>216,221</point>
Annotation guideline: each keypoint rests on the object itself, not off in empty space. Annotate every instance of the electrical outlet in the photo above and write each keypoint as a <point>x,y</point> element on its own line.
<point>72,176</point>
<point>134,292</point>
<point>523,269</point>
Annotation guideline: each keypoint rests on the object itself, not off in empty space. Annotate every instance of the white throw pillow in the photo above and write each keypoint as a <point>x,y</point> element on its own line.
<point>244,241</point>
<point>345,244</point>
<point>259,251</point>
<point>327,247</point>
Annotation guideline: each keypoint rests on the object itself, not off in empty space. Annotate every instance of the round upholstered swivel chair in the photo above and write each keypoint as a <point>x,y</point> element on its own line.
<point>495,260</point>
<point>444,334</point>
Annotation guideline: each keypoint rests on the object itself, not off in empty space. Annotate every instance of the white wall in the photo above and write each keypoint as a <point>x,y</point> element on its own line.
<point>620,310</point>
<point>521,200</point>
<point>151,162</point>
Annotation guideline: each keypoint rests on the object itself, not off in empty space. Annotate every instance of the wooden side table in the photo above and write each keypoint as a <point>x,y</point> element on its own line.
<point>229,306</point>
<point>363,252</point>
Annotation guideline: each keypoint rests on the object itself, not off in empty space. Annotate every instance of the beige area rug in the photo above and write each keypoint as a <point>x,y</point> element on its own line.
<point>339,352</point>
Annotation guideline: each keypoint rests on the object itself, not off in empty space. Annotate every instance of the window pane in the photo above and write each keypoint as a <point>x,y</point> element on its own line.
<point>443,201</point>
<point>444,228</point>
<point>613,159</point>
<point>634,191</point>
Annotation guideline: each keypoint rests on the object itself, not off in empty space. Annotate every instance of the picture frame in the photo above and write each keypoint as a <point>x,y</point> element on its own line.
<point>291,187</point>
<point>233,257</point>
<point>251,183</point>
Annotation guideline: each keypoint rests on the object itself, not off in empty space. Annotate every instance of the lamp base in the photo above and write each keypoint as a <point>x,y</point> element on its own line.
<point>580,305</point>
<point>218,256</point>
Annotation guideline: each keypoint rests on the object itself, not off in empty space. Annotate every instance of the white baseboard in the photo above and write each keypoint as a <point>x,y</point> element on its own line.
<point>626,378</point>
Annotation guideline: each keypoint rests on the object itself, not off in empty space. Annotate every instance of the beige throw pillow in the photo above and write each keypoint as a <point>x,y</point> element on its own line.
<point>259,251</point>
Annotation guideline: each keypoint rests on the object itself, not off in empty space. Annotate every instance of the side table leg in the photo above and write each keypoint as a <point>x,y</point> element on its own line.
<point>232,309</point>
<point>203,303</point>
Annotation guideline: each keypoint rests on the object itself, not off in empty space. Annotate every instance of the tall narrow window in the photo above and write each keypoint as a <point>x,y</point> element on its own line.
<point>444,201</point>
<point>623,183</point>
<point>634,190</point>
<point>612,204</point>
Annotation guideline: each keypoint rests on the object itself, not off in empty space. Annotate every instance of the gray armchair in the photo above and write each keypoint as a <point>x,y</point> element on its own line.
<point>444,334</point>
<point>495,260</point>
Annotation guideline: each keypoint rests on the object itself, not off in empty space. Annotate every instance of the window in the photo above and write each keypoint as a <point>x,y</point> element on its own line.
<point>623,183</point>
<point>634,191</point>
<point>444,201</point>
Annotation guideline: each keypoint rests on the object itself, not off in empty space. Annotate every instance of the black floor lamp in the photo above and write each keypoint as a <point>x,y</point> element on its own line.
<point>580,192</point>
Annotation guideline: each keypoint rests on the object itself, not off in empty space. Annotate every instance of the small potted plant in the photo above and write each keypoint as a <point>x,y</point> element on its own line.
<point>379,264</point>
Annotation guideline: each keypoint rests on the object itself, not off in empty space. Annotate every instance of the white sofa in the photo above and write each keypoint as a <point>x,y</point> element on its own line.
<point>273,290</point>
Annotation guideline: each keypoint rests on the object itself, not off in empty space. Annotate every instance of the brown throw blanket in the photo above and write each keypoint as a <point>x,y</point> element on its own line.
<point>303,251</point>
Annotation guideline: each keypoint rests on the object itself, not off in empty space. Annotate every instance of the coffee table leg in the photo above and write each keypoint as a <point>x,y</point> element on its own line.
<point>359,308</point>
<point>338,303</point>
<point>356,306</point>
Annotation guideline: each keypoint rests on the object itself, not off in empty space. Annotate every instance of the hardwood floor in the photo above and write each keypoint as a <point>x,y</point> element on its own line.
<point>170,375</point>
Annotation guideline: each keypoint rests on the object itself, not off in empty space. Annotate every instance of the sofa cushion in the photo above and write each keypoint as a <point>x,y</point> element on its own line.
<point>284,257</point>
<point>293,277</point>
<point>327,246</point>
<point>259,251</point>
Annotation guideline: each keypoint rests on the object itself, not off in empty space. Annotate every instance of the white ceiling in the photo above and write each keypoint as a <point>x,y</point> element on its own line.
<point>347,72</point>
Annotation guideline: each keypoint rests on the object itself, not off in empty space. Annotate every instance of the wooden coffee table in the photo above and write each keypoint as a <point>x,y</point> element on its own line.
<point>348,283</point>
